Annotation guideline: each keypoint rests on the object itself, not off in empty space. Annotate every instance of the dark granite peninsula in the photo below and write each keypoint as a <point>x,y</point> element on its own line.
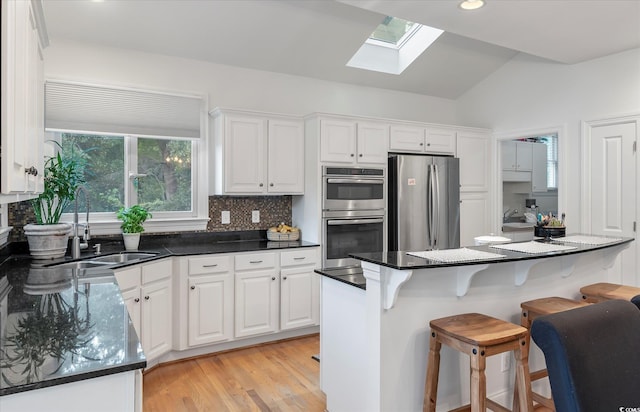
<point>374,340</point>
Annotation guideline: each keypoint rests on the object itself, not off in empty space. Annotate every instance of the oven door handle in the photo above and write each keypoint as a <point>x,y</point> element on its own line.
<point>357,181</point>
<point>352,221</point>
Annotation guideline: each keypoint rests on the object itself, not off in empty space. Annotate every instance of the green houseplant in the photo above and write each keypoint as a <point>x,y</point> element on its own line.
<point>63,173</point>
<point>132,224</point>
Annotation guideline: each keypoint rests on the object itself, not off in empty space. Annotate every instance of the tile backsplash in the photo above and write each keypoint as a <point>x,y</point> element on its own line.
<point>273,210</point>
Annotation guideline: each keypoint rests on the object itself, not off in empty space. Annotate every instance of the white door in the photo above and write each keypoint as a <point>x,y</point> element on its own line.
<point>298,298</point>
<point>156,318</point>
<point>210,309</point>
<point>337,141</point>
<point>406,138</point>
<point>612,198</point>
<point>373,139</point>
<point>475,217</point>
<point>286,157</point>
<point>244,154</point>
<point>131,299</point>
<point>441,141</point>
<point>256,303</point>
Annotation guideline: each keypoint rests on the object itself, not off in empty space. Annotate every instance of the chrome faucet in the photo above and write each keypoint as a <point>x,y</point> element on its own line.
<point>508,213</point>
<point>86,235</point>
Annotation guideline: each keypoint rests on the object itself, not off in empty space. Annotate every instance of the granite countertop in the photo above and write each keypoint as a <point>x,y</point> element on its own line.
<point>402,260</point>
<point>58,327</point>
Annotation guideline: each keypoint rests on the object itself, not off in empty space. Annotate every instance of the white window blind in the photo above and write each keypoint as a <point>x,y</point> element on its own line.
<point>96,108</point>
<point>552,160</point>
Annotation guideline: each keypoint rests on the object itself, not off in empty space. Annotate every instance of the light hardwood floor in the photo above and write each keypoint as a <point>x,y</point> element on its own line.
<point>272,377</point>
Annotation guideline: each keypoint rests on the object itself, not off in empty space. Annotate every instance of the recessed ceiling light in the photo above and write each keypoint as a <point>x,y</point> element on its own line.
<point>471,4</point>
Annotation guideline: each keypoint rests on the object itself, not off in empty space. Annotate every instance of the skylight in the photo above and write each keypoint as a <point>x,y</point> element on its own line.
<point>393,31</point>
<point>394,45</point>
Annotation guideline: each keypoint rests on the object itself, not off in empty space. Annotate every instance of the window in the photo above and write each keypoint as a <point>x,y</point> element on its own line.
<point>136,147</point>
<point>157,175</point>
<point>552,159</point>
<point>394,31</point>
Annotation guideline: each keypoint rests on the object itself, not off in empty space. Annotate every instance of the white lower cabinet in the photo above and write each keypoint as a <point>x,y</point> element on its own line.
<point>474,217</point>
<point>299,289</point>
<point>210,299</point>
<point>146,290</point>
<point>257,284</point>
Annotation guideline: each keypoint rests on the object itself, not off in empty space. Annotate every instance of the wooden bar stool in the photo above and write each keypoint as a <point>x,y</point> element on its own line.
<point>599,292</point>
<point>479,336</point>
<point>530,311</point>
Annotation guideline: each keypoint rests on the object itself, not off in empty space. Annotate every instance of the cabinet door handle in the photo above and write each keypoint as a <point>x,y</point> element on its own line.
<point>210,266</point>
<point>421,144</point>
<point>193,288</point>
<point>299,258</point>
<point>255,261</point>
<point>360,155</point>
<point>428,144</point>
<point>273,278</point>
<point>31,171</point>
<point>146,298</point>
<point>271,184</point>
<point>261,185</point>
<point>352,155</point>
<point>136,300</point>
<point>284,278</point>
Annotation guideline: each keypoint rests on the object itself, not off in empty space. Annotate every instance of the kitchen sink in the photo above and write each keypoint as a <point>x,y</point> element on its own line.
<point>519,225</point>
<point>103,262</point>
<point>83,264</point>
<point>121,257</point>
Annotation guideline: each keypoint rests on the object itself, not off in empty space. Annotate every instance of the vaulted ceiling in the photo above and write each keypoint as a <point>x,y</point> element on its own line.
<point>316,38</point>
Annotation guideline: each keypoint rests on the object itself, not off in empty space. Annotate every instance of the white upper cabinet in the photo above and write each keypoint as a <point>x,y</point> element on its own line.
<point>517,156</point>
<point>255,153</point>
<point>539,168</point>
<point>474,151</point>
<point>22,123</point>
<point>285,168</point>
<point>353,142</point>
<point>372,142</point>
<point>408,138</point>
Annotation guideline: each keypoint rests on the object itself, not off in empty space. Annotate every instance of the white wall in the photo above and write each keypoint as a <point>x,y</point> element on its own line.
<point>234,87</point>
<point>528,93</point>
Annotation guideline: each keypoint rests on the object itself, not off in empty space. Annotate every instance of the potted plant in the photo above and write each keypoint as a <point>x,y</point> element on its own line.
<point>132,219</point>
<point>48,238</point>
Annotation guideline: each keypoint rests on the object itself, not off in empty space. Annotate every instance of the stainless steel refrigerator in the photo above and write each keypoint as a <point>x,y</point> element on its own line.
<point>424,202</point>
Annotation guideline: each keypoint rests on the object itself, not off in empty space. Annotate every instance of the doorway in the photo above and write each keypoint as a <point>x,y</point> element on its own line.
<point>610,188</point>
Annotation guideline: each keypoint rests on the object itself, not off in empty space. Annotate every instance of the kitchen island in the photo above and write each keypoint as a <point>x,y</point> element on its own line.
<point>374,340</point>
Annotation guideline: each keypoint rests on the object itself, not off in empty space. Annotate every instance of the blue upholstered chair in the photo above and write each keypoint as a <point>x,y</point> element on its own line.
<point>593,356</point>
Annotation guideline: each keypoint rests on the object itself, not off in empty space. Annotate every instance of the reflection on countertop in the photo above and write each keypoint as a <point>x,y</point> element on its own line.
<point>58,327</point>
<point>349,275</point>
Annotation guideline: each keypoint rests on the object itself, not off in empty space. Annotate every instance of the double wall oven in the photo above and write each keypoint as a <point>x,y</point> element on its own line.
<point>353,214</point>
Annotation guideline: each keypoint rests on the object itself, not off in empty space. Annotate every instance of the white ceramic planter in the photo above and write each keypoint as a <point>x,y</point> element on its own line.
<point>131,241</point>
<point>47,241</point>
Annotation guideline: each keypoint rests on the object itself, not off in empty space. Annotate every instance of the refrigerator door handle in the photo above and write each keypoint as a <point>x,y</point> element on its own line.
<point>437,206</point>
<point>430,202</point>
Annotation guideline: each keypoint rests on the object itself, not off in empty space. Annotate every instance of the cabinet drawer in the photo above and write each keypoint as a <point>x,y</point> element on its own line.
<point>298,257</point>
<point>156,271</point>
<point>256,261</point>
<point>128,278</point>
<point>210,264</point>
